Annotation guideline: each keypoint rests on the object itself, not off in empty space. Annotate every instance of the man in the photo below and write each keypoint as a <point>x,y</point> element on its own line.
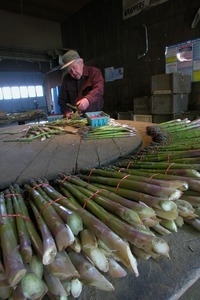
<point>82,86</point>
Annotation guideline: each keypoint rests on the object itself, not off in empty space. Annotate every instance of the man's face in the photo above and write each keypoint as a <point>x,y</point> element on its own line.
<point>75,69</point>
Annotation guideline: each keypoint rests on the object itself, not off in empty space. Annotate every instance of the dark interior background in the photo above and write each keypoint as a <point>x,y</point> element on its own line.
<point>106,40</point>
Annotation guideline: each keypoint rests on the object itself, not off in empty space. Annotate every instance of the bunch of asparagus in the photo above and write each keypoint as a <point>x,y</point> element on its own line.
<point>45,248</point>
<point>46,130</point>
<point>112,130</point>
<point>73,233</point>
<point>58,237</point>
<point>72,126</point>
<point>173,155</point>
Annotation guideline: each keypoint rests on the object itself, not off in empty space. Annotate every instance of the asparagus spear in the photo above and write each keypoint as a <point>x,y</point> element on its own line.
<point>32,286</point>
<point>72,219</point>
<point>179,221</point>
<point>62,267</point>
<point>137,164</point>
<point>150,201</point>
<point>123,175</point>
<point>197,211</point>
<point>193,183</point>
<point>76,287</point>
<point>194,200</point>
<point>92,251</point>
<point>76,246</point>
<point>151,189</point>
<point>13,263</point>
<point>172,155</point>
<point>35,238</point>
<point>89,275</point>
<point>17,293</point>
<point>134,236</point>
<point>2,269</point>
<point>140,253</point>
<point>185,209</point>
<point>10,211</point>
<point>100,230</point>
<point>168,215</point>
<point>5,289</point>
<point>195,222</point>
<point>123,212</point>
<point>169,224</point>
<point>141,209</point>
<point>36,266</point>
<point>54,284</point>
<point>168,171</point>
<point>60,231</point>
<point>59,268</point>
<point>49,246</point>
<point>23,235</point>
<point>115,269</point>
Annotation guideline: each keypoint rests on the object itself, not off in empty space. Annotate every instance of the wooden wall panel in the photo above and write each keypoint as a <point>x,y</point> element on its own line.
<point>104,39</point>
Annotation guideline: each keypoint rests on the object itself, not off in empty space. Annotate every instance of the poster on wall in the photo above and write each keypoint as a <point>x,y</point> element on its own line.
<point>134,7</point>
<point>112,74</point>
<point>184,58</point>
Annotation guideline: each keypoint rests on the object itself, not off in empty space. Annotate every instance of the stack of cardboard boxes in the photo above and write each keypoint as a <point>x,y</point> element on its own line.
<point>142,109</point>
<point>169,97</point>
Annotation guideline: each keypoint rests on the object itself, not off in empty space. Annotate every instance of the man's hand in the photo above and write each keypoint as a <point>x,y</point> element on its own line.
<point>82,104</point>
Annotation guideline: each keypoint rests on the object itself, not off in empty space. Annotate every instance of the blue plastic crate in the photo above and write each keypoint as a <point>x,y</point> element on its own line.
<point>97,118</point>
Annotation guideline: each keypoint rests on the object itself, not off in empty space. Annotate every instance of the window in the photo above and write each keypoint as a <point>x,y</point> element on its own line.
<point>6,93</point>
<point>32,91</point>
<point>15,92</point>
<point>39,90</point>
<point>24,91</point>
<point>20,92</point>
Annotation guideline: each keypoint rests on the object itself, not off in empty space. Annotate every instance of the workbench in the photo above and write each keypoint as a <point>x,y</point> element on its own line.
<point>66,153</point>
<point>163,279</point>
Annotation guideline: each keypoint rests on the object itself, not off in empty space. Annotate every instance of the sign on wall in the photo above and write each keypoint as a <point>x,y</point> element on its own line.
<point>134,7</point>
<point>112,74</point>
<point>184,58</point>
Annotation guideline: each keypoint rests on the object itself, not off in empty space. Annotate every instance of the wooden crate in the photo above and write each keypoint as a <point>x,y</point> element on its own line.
<point>142,105</point>
<point>169,104</point>
<point>162,118</point>
<point>125,115</point>
<point>173,83</point>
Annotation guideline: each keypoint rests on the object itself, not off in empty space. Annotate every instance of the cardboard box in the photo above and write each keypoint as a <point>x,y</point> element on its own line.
<point>125,115</point>
<point>174,83</point>
<point>162,118</point>
<point>143,118</point>
<point>142,105</point>
<point>169,104</point>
